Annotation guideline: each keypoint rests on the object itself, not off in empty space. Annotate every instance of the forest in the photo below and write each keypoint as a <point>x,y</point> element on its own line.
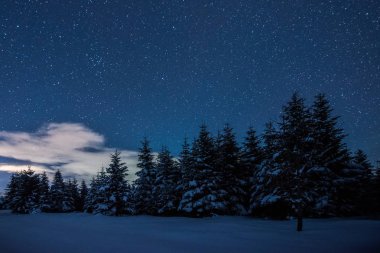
<point>298,167</point>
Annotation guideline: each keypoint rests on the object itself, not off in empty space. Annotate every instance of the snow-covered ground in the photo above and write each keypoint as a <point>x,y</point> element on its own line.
<point>54,233</point>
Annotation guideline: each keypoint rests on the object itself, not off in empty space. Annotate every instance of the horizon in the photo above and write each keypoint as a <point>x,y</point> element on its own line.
<point>80,79</point>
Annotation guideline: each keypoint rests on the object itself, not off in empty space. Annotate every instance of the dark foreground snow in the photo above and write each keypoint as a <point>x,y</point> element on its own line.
<point>73,233</point>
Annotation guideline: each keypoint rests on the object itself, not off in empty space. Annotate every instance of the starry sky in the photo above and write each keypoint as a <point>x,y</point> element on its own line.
<point>121,70</point>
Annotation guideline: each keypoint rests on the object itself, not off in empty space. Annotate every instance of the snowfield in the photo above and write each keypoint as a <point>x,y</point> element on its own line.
<point>78,232</point>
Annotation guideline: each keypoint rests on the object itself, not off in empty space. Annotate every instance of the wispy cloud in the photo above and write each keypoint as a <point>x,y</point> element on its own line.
<point>71,147</point>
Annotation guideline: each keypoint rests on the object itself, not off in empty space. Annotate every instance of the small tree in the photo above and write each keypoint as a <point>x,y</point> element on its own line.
<point>185,163</point>
<point>23,192</point>
<point>251,157</point>
<point>83,193</point>
<point>71,197</point>
<point>329,158</point>
<point>118,187</point>
<point>99,192</point>
<point>202,196</point>
<point>144,200</point>
<point>57,191</point>
<point>166,185</point>
<point>233,177</point>
<point>44,192</point>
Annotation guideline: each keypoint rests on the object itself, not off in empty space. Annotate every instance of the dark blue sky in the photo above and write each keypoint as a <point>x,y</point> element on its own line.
<point>161,68</point>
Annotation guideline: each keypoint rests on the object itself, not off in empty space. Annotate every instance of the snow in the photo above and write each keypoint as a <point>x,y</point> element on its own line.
<point>79,232</point>
<point>270,199</point>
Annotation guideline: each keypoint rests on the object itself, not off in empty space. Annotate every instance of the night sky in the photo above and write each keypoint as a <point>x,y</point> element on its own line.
<point>123,70</point>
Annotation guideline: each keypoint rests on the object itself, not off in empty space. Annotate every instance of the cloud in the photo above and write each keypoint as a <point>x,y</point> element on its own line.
<point>71,147</point>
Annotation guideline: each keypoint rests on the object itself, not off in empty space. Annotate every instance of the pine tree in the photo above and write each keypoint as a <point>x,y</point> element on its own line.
<point>68,199</point>
<point>57,191</point>
<point>75,194</point>
<point>282,186</point>
<point>251,157</point>
<point>234,177</point>
<point>328,146</point>
<point>201,196</point>
<point>23,192</point>
<point>185,163</point>
<point>266,197</point>
<point>144,201</point>
<point>99,201</point>
<point>44,193</point>
<point>166,185</point>
<point>83,193</point>
<point>363,192</point>
<point>90,201</point>
<point>329,157</point>
<point>361,159</point>
<point>2,202</point>
<point>11,190</point>
<point>295,156</point>
<point>118,187</point>
<point>376,191</point>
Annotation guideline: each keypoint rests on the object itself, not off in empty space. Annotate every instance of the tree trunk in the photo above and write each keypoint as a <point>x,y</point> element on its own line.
<point>299,221</point>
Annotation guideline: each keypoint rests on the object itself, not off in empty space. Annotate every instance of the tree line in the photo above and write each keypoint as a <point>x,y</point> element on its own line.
<point>300,166</point>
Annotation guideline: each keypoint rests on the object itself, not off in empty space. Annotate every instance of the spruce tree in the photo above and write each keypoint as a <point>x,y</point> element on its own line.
<point>99,198</point>
<point>329,150</point>
<point>234,177</point>
<point>376,190</point>
<point>75,194</point>
<point>144,201</point>
<point>2,202</point>
<point>329,157</point>
<point>251,157</point>
<point>83,193</point>
<point>185,163</point>
<point>362,183</point>
<point>118,187</point>
<point>68,200</point>
<point>166,185</point>
<point>57,191</point>
<point>266,196</point>
<point>44,192</point>
<point>202,197</point>
<point>295,136</point>
<point>361,159</point>
<point>23,192</point>
<point>90,200</point>
<point>11,190</point>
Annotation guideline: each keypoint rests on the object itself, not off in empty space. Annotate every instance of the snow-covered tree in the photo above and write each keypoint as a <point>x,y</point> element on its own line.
<point>11,189</point>
<point>361,158</point>
<point>356,185</point>
<point>201,196</point>
<point>185,163</point>
<point>375,189</point>
<point>44,193</point>
<point>251,157</point>
<point>23,192</point>
<point>144,200</point>
<point>98,197</point>
<point>329,157</point>
<point>89,202</point>
<point>165,188</point>
<point>57,193</point>
<point>234,178</point>
<point>295,136</point>
<point>266,196</point>
<point>71,197</point>
<point>2,202</point>
<point>118,188</point>
<point>83,193</point>
<point>283,179</point>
